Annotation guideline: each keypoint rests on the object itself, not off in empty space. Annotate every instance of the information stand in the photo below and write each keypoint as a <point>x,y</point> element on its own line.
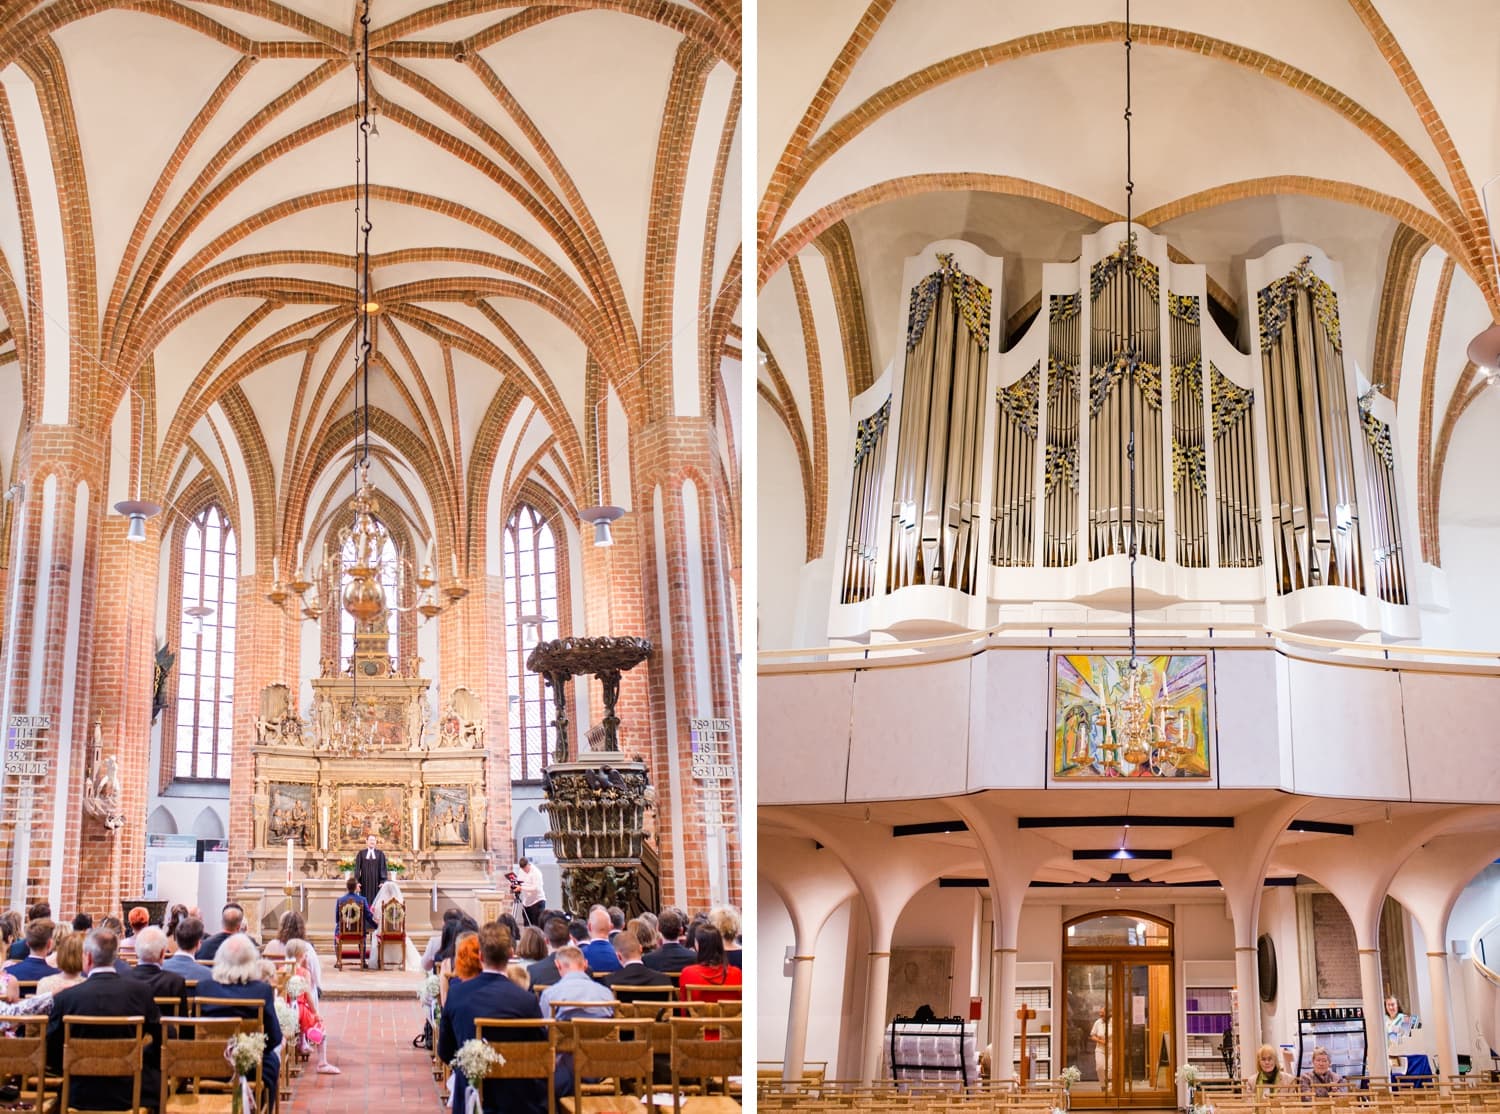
<point>1341,1030</point>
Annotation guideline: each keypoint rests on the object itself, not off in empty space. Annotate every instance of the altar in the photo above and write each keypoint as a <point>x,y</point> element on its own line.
<point>369,758</point>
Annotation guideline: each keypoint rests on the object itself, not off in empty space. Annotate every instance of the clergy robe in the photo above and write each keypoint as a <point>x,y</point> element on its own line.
<point>369,870</point>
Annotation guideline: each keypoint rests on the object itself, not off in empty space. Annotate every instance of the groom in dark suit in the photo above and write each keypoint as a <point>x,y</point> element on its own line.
<point>106,993</point>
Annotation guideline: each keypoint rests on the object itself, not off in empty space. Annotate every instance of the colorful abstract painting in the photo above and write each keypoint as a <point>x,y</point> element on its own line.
<point>1086,739</point>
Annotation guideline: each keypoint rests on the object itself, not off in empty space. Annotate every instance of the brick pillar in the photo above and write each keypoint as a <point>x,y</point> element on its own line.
<point>687,601</point>
<point>49,635</point>
<point>266,650</point>
<point>471,645</point>
<point>111,865</point>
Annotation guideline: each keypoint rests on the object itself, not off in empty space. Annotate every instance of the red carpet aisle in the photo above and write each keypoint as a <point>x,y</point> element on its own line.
<point>383,1073</point>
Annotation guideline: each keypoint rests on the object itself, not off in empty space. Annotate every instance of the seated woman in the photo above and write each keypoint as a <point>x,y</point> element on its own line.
<point>69,956</point>
<point>1321,1079</point>
<point>1268,1071</point>
<point>712,970</point>
<point>237,975</point>
<point>464,963</point>
<point>311,1022</point>
<point>294,927</point>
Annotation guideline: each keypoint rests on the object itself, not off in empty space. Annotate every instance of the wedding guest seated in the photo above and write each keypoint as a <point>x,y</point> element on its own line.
<point>69,956</point>
<point>491,994</point>
<point>367,920</point>
<point>232,918</point>
<point>237,975</point>
<point>107,993</point>
<point>137,919</point>
<point>726,918</point>
<point>632,971</point>
<point>184,961</point>
<point>150,948</point>
<point>712,969</point>
<point>435,941</point>
<point>531,947</point>
<point>669,955</point>
<point>544,972</point>
<point>38,942</point>
<point>599,951</point>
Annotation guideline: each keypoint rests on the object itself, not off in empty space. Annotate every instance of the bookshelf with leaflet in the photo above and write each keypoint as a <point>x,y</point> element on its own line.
<point>1034,989</point>
<point>1210,1018</point>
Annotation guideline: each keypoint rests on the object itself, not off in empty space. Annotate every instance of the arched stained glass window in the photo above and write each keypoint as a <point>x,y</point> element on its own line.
<point>205,685</point>
<point>530,617</point>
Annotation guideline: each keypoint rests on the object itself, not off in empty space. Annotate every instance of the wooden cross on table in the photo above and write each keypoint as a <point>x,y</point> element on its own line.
<point>1023,1015</point>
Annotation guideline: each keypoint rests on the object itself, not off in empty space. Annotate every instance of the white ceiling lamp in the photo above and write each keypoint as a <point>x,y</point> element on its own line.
<point>600,518</point>
<point>1484,350</point>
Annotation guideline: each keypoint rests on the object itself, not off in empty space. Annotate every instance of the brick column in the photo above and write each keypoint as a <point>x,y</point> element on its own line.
<point>111,865</point>
<point>686,593</point>
<point>49,637</point>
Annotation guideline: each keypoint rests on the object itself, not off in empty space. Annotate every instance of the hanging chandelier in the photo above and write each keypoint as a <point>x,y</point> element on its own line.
<point>355,572</point>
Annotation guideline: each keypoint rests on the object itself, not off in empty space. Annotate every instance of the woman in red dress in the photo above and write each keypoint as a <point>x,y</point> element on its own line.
<point>698,981</point>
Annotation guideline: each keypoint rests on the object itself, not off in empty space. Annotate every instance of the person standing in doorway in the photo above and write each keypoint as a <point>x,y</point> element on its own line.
<point>1100,1035</point>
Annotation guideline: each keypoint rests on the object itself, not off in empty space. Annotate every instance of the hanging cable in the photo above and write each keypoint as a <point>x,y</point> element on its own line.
<point>363,290</point>
<point>1130,353</point>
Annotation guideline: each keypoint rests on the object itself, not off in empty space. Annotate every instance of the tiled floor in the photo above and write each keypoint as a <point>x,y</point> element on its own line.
<point>370,1038</point>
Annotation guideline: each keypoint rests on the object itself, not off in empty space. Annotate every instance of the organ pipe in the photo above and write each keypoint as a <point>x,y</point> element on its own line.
<point>1236,491</point>
<point>935,509</point>
<point>1314,512</point>
<point>1060,461</point>
<point>1015,457</point>
<point>1189,461</point>
<point>1113,392</point>
<point>862,536</point>
<point>1385,529</point>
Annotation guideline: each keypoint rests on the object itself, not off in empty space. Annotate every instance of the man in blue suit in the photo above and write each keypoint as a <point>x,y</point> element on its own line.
<point>491,994</point>
<point>38,945</point>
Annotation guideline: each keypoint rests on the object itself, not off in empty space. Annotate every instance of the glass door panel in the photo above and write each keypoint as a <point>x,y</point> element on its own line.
<point>1088,1026</point>
<point>1146,1037</point>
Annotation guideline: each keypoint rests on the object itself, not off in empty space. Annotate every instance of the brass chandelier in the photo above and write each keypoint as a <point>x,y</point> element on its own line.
<point>353,573</point>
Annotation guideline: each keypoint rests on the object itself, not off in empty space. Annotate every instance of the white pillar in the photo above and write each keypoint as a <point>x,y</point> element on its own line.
<point>1003,1014</point>
<point>1441,1018</point>
<point>1247,983</point>
<point>878,976</point>
<point>1372,990</point>
<point>796,1021</point>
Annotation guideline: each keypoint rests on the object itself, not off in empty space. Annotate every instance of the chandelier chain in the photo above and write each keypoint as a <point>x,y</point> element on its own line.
<point>1130,352</point>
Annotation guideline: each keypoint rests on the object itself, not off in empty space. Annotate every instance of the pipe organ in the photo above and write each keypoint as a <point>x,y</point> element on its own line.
<point>1008,494</point>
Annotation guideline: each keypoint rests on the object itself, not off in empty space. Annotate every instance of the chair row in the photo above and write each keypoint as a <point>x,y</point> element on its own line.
<point>703,1055</point>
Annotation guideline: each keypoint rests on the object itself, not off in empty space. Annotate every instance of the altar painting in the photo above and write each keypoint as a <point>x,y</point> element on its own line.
<point>291,814</point>
<point>1086,742</point>
<point>448,815</point>
<point>366,810</point>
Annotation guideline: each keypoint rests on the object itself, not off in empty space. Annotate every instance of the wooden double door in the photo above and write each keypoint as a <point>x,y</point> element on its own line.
<point>1117,1023</point>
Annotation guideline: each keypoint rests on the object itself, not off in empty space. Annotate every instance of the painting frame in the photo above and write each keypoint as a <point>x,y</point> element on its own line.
<point>448,821</point>
<point>378,810</point>
<point>1082,747</point>
<point>291,814</point>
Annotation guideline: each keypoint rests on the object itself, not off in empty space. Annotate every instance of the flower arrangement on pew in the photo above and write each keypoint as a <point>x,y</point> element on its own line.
<point>286,1015</point>
<point>476,1059</point>
<point>1069,1076</point>
<point>429,994</point>
<point>244,1053</point>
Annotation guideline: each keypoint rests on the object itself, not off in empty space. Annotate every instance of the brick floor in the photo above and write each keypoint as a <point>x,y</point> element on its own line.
<point>370,1038</point>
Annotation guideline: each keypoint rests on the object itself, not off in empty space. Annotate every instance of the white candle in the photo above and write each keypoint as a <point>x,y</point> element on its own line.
<point>454,557</point>
<point>275,568</point>
<point>289,860</point>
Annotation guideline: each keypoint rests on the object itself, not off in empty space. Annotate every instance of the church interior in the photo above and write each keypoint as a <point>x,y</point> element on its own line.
<point>1128,672</point>
<point>370,441</point>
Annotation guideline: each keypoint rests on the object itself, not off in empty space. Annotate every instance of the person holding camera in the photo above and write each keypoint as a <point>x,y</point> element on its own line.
<point>528,887</point>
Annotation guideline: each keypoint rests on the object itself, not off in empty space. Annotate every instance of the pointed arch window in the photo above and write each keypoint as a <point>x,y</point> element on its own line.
<point>205,685</point>
<point>530,617</point>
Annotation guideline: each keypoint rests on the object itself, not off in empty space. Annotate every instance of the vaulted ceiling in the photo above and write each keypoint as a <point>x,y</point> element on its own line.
<point>1368,127</point>
<point>555,240</point>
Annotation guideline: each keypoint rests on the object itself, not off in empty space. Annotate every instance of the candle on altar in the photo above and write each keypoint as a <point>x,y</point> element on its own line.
<point>289,860</point>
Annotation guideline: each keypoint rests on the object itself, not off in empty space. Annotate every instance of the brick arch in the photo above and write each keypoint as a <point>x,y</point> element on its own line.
<point>42,63</point>
<point>913,85</point>
<point>257,460</point>
<point>811,227</point>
